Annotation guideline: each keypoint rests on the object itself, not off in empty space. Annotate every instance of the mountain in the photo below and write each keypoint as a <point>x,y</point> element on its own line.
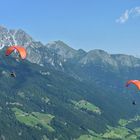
<point>58,52</point>
<point>66,94</point>
<point>62,49</point>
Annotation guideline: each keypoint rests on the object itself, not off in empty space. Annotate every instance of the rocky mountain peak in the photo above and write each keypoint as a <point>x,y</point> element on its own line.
<point>97,56</point>
<point>13,37</point>
<point>62,49</point>
<point>126,60</point>
<point>3,29</point>
<point>81,51</point>
<point>99,53</point>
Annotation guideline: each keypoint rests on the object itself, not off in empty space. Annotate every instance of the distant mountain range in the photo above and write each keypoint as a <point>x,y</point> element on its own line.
<point>66,94</point>
<point>43,54</point>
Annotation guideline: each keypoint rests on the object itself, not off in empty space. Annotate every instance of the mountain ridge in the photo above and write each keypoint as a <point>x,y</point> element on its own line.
<point>57,48</point>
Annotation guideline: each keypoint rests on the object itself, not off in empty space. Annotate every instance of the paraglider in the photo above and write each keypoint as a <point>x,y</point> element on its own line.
<point>13,74</point>
<point>21,51</point>
<point>136,83</point>
<point>21,54</point>
<point>134,103</point>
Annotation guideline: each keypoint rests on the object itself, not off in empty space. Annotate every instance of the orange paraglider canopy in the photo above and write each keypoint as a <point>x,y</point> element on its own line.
<point>135,82</point>
<point>21,50</point>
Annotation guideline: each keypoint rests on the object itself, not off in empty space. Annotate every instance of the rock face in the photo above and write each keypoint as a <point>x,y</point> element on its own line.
<point>19,37</point>
<point>56,53</point>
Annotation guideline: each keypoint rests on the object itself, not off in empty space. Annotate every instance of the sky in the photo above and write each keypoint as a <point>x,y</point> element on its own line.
<point>111,25</point>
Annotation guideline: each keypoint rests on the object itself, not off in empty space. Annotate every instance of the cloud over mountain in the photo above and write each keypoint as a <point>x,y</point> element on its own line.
<point>131,13</point>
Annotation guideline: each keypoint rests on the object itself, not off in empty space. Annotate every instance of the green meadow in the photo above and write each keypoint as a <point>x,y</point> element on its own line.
<point>34,119</point>
<point>120,132</point>
<point>87,106</point>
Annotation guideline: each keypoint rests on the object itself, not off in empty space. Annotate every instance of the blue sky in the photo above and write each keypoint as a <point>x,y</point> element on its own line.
<point>111,25</point>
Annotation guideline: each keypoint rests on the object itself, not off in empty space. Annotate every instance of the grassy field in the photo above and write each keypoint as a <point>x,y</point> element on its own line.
<point>34,118</point>
<point>89,137</point>
<point>123,122</point>
<point>120,132</point>
<point>83,104</point>
<point>116,133</point>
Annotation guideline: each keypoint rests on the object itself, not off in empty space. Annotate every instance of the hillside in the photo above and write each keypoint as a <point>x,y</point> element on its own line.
<point>66,94</point>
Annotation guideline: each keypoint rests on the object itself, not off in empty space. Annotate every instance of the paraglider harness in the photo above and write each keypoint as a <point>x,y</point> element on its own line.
<point>13,74</point>
<point>134,103</point>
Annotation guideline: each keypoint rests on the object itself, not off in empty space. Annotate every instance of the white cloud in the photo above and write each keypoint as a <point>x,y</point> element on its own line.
<point>133,12</point>
<point>123,18</point>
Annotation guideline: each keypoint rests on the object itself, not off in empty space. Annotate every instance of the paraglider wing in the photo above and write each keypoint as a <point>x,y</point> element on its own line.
<point>9,51</point>
<point>19,49</point>
<point>135,82</point>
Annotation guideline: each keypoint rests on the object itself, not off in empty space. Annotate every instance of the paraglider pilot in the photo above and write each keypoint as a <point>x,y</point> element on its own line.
<point>21,54</point>
<point>13,74</point>
<point>134,103</point>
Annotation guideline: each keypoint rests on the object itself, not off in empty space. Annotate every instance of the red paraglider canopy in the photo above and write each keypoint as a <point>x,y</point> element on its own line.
<point>135,82</point>
<point>21,50</point>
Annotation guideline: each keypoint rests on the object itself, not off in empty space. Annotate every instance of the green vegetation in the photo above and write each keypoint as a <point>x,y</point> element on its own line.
<point>26,104</point>
<point>120,132</point>
<point>89,137</point>
<point>116,133</point>
<point>34,118</point>
<point>123,122</point>
<point>44,138</point>
<point>83,104</point>
<point>45,99</point>
<point>21,94</point>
